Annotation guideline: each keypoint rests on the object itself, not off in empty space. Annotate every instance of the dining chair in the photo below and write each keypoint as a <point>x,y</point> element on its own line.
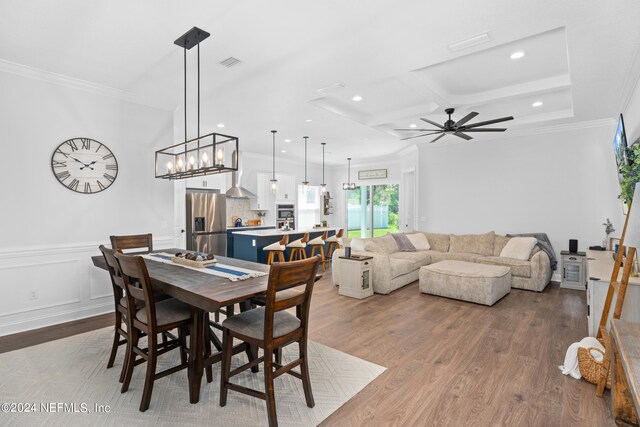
<point>153,318</point>
<point>120,335</point>
<point>144,242</point>
<point>334,242</point>
<point>298,248</point>
<point>317,244</point>
<point>270,328</point>
<point>277,248</point>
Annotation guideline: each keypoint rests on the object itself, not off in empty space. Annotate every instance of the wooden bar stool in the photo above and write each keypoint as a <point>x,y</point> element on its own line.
<point>317,244</point>
<point>334,242</point>
<point>298,248</point>
<point>277,248</point>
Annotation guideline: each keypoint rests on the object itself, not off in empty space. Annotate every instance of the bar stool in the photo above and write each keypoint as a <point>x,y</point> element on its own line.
<point>298,248</point>
<point>277,248</point>
<point>317,244</point>
<point>334,242</point>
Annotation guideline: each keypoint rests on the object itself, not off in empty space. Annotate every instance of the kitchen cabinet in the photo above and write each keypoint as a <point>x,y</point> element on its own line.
<point>209,182</point>
<point>265,198</point>
<point>287,188</point>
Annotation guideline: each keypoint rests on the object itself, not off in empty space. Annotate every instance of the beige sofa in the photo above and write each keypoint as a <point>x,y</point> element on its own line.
<point>393,269</point>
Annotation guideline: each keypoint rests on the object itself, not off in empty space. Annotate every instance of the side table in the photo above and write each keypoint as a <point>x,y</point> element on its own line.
<point>356,277</point>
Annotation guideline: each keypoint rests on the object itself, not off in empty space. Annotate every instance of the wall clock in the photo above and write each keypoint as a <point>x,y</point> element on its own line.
<point>84,165</point>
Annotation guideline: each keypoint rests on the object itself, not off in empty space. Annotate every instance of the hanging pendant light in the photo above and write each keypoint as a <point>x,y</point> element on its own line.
<point>274,181</point>
<point>323,186</point>
<point>349,185</point>
<point>203,155</point>
<point>305,183</point>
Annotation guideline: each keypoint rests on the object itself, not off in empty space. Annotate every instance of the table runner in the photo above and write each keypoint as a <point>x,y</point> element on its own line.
<point>230,272</point>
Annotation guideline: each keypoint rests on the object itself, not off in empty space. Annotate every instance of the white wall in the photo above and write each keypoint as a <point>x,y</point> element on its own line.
<point>632,116</point>
<point>48,233</point>
<point>563,184</point>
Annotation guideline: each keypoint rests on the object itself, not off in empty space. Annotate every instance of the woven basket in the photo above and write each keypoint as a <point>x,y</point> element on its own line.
<point>590,369</point>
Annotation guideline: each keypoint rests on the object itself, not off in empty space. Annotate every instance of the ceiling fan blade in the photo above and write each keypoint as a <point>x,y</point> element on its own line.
<point>488,122</point>
<point>419,130</point>
<point>486,130</point>
<point>463,136</point>
<point>465,119</point>
<point>418,136</point>
<point>437,138</point>
<point>432,123</point>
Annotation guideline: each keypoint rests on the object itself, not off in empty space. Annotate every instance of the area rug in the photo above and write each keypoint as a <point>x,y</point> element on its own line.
<point>66,383</point>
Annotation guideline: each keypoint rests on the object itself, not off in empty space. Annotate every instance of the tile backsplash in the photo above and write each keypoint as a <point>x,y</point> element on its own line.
<point>241,208</point>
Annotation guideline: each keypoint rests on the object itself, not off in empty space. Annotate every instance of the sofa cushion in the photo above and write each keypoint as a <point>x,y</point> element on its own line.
<point>418,258</point>
<point>438,242</point>
<point>387,243</point>
<point>400,266</point>
<point>460,256</point>
<point>499,244</point>
<point>419,241</point>
<point>519,267</point>
<point>519,248</point>
<point>403,242</point>
<point>357,244</point>
<point>435,256</point>
<point>473,243</point>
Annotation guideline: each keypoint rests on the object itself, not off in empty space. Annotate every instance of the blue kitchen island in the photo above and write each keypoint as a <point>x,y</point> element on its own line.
<point>249,244</point>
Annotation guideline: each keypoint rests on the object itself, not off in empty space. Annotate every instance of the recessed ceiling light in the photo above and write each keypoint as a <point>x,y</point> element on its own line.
<point>537,104</point>
<point>517,55</point>
<point>287,140</point>
<point>413,125</point>
<point>357,98</point>
<point>308,120</point>
<point>220,125</point>
<point>284,151</point>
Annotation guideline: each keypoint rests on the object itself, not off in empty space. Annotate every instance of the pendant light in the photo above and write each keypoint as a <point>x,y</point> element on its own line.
<point>349,185</point>
<point>323,186</point>
<point>305,183</point>
<point>274,181</point>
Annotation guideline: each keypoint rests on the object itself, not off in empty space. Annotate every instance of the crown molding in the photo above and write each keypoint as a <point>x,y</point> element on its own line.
<point>631,80</point>
<point>78,84</point>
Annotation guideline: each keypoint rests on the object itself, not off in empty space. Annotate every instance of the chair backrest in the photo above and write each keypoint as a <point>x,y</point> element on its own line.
<point>340,233</point>
<point>286,275</point>
<point>117,282</point>
<point>325,235</point>
<point>305,238</point>
<point>136,241</point>
<point>136,278</point>
<point>284,240</point>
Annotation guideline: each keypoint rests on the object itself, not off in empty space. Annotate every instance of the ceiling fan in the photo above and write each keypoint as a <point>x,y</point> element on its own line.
<point>458,128</point>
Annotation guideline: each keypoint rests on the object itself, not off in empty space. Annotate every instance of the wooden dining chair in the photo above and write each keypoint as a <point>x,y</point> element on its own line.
<point>334,242</point>
<point>298,248</point>
<point>153,318</point>
<point>143,242</point>
<point>317,244</point>
<point>270,328</point>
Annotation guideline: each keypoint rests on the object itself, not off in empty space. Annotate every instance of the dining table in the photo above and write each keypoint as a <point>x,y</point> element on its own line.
<point>205,293</point>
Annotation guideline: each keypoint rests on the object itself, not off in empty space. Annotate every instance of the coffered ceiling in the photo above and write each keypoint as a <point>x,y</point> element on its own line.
<point>302,63</point>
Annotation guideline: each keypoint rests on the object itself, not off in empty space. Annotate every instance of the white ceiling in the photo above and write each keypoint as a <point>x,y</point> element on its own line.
<point>581,61</point>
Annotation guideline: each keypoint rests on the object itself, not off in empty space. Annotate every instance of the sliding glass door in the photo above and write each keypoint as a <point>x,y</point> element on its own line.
<point>372,210</point>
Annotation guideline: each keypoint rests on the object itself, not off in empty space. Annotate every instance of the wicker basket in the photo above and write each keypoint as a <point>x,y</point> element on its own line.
<point>590,369</point>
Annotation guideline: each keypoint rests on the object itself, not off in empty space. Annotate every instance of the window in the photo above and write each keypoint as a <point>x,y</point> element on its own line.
<point>308,206</point>
<point>384,214</point>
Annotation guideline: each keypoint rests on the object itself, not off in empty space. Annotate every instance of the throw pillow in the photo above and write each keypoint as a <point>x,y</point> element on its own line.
<point>519,248</point>
<point>370,246</point>
<point>357,244</point>
<point>419,241</point>
<point>404,244</point>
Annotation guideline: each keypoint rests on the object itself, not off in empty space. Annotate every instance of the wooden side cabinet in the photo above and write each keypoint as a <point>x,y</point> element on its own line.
<point>356,277</point>
<point>573,270</point>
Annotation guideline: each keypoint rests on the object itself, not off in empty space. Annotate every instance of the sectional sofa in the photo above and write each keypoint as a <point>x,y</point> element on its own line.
<point>393,269</point>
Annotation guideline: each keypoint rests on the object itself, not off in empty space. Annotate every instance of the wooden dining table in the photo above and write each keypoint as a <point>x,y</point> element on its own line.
<point>205,293</point>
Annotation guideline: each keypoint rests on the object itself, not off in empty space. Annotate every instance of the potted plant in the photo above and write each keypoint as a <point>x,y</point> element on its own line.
<point>608,229</point>
<point>261,214</point>
<point>630,173</point>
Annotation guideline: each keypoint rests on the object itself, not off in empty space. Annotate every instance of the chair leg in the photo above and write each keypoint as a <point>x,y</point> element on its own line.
<point>278,355</point>
<point>293,252</point>
<point>268,391</point>
<point>207,347</point>
<point>151,371</point>
<point>324,260</point>
<point>130,357</point>
<point>303,253</point>
<point>182,334</point>
<point>116,339</point>
<point>304,371</point>
<point>225,368</point>
<point>281,256</point>
<point>270,259</point>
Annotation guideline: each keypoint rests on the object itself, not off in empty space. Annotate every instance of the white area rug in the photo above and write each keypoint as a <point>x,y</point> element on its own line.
<point>73,371</point>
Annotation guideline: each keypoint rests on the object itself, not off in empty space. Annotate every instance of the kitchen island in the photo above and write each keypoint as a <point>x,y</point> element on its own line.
<point>248,244</point>
<point>231,229</point>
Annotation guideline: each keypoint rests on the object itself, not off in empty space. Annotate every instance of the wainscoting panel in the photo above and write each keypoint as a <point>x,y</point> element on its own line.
<point>47,285</point>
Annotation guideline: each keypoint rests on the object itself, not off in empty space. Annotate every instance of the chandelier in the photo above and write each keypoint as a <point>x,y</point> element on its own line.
<point>204,155</point>
<point>349,185</point>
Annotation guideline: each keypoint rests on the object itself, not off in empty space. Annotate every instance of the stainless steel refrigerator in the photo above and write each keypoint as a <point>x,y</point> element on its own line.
<point>206,221</point>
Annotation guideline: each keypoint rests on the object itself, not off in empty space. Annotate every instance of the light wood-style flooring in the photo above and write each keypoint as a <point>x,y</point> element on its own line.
<point>448,362</point>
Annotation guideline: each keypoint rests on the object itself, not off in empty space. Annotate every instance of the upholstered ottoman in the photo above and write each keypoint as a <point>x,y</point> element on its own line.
<point>467,281</point>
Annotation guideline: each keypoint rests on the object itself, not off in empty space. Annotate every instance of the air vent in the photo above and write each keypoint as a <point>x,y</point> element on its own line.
<point>332,88</point>
<point>470,42</point>
<point>230,62</point>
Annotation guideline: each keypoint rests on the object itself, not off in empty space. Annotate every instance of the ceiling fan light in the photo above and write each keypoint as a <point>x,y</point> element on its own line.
<point>537,104</point>
<point>517,55</point>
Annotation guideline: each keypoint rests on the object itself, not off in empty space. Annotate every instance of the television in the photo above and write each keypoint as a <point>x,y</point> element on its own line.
<point>620,147</point>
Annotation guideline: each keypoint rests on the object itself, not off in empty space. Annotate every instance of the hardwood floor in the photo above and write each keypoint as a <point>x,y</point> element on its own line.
<point>448,362</point>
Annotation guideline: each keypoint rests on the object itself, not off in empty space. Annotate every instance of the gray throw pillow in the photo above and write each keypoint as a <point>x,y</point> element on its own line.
<point>403,242</point>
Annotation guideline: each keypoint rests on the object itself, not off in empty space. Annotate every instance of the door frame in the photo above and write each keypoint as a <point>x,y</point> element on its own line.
<point>404,197</point>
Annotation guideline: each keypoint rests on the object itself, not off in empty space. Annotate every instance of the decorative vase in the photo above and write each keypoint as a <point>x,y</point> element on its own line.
<point>605,242</point>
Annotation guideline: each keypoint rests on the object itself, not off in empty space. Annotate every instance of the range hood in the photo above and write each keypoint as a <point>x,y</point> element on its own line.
<point>236,191</point>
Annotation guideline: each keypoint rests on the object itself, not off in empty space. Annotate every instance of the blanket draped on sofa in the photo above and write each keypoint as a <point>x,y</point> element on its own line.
<point>544,243</point>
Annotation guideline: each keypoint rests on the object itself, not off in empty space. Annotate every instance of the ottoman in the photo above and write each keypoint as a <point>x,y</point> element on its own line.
<point>466,281</point>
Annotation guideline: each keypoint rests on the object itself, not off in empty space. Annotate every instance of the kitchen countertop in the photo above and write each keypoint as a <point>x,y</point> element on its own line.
<point>278,232</point>
<point>249,227</point>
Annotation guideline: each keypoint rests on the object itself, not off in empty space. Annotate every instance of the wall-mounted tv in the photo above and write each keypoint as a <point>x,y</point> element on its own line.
<point>620,147</point>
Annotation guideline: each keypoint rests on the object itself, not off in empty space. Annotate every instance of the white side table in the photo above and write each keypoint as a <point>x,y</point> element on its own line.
<point>356,277</point>
<point>573,270</point>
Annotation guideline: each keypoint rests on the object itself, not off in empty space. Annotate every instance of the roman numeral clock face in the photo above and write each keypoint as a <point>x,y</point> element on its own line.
<point>84,165</point>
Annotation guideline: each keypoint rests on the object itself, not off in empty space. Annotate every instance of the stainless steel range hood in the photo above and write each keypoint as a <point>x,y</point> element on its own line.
<point>236,191</point>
